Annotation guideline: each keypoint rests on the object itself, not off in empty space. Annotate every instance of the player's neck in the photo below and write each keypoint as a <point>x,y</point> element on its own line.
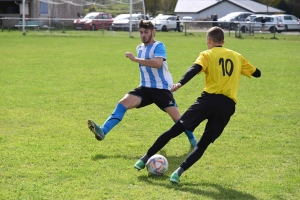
<point>148,43</point>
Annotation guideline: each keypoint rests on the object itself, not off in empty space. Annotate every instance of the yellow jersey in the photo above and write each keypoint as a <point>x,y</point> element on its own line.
<point>223,68</point>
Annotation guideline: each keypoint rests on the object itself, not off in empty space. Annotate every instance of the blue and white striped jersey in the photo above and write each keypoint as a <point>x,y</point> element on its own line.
<point>159,78</point>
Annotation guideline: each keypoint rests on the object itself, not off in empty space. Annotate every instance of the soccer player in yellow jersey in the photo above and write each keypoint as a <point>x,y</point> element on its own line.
<point>222,68</point>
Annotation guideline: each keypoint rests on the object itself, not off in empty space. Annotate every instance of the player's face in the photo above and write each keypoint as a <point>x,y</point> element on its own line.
<point>147,35</point>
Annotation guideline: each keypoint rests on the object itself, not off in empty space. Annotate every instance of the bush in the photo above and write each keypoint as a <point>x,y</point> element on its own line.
<point>92,8</point>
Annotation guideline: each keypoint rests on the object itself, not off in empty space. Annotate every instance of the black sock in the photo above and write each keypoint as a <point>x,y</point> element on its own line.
<point>145,158</point>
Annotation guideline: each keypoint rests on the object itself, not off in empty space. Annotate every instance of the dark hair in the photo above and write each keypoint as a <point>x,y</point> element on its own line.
<point>146,24</point>
<point>216,34</point>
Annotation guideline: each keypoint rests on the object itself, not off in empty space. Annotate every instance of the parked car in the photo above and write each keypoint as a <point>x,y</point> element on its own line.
<point>251,17</point>
<point>187,19</point>
<point>94,21</point>
<point>272,23</point>
<point>291,23</point>
<point>231,18</point>
<point>122,21</point>
<point>166,22</point>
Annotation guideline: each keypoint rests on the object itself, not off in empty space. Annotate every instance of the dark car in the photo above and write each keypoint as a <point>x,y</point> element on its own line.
<point>94,21</point>
<point>231,18</point>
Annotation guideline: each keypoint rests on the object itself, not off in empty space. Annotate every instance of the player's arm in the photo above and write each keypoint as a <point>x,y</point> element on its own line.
<point>157,62</point>
<point>257,73</point>
<point>189,74</point>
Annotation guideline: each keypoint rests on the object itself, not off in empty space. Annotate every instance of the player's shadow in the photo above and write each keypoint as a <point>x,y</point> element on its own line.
<point>174,161</point>
<point>210,190</point>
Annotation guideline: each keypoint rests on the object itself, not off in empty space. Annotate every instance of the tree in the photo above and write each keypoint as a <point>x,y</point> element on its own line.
<point>152,7</point>
<point>289,6</point>
<point>155,7</point>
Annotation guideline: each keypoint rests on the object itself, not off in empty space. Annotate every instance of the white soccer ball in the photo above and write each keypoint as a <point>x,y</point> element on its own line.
<point>157,165</point>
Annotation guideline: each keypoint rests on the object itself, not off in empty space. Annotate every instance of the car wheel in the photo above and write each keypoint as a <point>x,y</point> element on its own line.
<point>232,26</point>
<point>164,28</point>
<point>93,28</point>
<point>244,29</point>
<point>180,28</point>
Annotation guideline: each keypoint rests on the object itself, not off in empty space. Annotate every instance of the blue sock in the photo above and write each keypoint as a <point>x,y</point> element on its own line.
<point>189,134</point>
<point>114,118</point>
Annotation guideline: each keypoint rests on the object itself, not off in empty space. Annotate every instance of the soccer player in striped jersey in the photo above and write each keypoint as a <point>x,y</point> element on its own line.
<point>155,84</point>
<point>222,68</point>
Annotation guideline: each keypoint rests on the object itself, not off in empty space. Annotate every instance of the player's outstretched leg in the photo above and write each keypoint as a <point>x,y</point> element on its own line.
<point>114,118</point>
<point>112,121</point>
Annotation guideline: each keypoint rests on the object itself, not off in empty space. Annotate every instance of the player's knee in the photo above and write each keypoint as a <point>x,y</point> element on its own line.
<point>204,142</point>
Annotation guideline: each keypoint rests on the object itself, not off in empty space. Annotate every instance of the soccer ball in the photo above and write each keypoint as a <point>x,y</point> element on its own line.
<point>157,165</point>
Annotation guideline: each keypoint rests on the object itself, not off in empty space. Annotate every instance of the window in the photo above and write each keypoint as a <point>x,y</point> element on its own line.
<point>294,18</point>
<point>44,8</point>
<point>99,17</point>
<point>9,7</point>
<point>287,18</point>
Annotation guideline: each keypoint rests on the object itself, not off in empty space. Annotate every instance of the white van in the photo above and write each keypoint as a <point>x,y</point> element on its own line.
<point>272,23</point>
<point>290,22</point>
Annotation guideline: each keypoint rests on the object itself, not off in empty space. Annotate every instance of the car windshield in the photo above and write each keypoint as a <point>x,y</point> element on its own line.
<point>162,18</point>
<point>90,16</point>
<point>231,15</point>
<point>125,17</point>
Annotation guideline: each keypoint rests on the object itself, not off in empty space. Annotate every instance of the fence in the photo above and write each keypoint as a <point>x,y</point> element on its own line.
<point>235,29</point>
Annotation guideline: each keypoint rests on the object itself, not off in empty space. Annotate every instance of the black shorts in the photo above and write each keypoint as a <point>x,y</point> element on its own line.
<point>162,98</point>
<point>216,108</point>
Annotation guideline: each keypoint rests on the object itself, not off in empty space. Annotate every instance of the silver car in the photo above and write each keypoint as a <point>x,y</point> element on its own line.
<point>166,23</point>
<point>122,21</point>
<point>291,23</point>
<point>272,24</point>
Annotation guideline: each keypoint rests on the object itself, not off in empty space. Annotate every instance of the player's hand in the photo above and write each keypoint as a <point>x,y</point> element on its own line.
<point>130,56</point>
<point>175,87</point>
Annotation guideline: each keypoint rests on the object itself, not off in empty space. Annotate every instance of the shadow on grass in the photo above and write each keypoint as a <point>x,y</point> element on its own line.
<point>174,161</point>
<point>210,190</point>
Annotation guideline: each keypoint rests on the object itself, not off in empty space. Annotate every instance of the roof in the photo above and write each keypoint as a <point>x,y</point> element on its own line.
<point>195,6</point>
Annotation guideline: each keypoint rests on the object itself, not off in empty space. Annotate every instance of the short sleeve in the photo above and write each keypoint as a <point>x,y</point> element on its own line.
<point>202,60</point>
<point>160,51</point>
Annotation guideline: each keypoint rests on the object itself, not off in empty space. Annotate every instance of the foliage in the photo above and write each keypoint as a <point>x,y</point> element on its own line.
<point>92,8</point>
<point>290,6</point>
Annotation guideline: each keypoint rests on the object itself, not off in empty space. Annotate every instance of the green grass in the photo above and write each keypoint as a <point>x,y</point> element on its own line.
<point>52,83</point>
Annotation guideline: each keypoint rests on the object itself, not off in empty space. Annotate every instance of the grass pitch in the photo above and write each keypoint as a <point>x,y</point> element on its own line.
<point>52,83</point>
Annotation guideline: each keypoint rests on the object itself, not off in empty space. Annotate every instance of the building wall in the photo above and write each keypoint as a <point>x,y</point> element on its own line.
<point>220,9</point>
<point>66,11</point>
